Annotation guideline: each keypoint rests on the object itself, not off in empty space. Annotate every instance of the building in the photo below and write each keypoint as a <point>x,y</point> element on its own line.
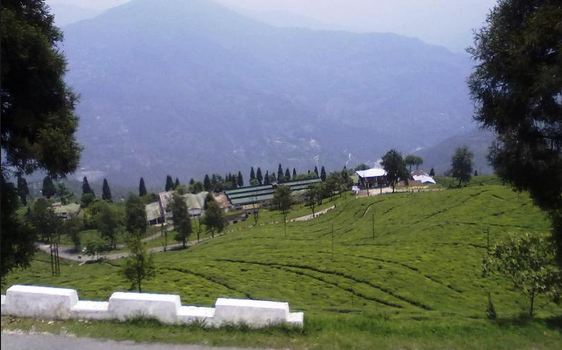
<point>160,212</point>
<point>371,178</point>
<point>422,177</point>
<point>67,211</point>
<point>246,196</point>
<point>154,214</point>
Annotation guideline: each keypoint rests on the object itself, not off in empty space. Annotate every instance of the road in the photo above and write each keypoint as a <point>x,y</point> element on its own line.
<point>22,341</point>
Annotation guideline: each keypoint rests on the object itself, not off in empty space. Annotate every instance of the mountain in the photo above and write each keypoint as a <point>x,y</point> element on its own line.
<point>478,142</point>
<point>190,87</point>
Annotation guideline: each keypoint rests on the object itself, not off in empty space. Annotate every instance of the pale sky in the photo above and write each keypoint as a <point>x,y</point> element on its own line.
<point>444,22</point>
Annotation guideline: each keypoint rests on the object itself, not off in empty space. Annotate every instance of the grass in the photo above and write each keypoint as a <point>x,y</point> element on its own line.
<point>416,284</point>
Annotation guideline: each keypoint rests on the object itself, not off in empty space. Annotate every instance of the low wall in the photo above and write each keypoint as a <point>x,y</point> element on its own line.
<point>61,303</point>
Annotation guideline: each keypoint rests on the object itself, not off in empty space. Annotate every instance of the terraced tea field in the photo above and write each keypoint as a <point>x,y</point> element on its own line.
<point>401,259</point>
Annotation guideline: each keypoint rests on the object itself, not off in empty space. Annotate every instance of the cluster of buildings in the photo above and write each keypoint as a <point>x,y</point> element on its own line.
<point>376,178</point>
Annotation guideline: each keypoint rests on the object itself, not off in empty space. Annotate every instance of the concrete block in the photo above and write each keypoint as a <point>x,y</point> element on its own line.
<point>163,307</point>
<point>254,313</point>
<point>3,305</point>
<point>296,319</point>
<point>43,302</point>
<point>91,310</point>
<point>193,314</point>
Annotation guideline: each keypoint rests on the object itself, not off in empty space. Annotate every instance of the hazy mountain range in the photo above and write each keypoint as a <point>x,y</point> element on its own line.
<point>191,87</point>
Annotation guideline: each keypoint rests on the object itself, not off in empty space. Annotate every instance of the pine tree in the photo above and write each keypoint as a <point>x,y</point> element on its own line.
<point>432,172</point>
<point>49,189</point>
<point>207,183</point>
<point>266,178</point>
<point>280,174</point>
<point>252,174</point>
<point>323,174</point>
<point>106,192</point>
<point>176,183</point>
<point>316,171</point>
<point>259,176</point>
<point>23,190</point>
<point>287,175</point>
<point>142,188</point>
<point>294,174</point>
<point>169,183</point>
<point>191,182</point>
<point>86,189</point>
<point>240,180</point>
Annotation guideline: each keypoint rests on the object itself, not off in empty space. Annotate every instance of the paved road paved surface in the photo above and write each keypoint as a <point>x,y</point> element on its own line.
<point>23,341</point>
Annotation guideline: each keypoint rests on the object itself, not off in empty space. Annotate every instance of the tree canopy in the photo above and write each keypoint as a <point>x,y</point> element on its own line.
<point>135,215</point>
<point>394,165</point>
<point>461,165</point>
<point>182,221</point>
<point>38,120</point>
<point>517,86</point>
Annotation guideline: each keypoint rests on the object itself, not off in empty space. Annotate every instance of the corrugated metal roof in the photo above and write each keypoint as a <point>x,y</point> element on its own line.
<point>374,172</point>
<point>152,211</point>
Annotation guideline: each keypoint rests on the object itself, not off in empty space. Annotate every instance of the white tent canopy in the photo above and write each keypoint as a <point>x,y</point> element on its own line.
<point>374,172</point>
<point>424,179</point>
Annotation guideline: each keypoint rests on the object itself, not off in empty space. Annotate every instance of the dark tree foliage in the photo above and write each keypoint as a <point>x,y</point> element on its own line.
<point>294,174</point>
<point>207,183</point>
<point>394,165</point>
<point>432,172</point>
<point>280,174</point>
<point>517,89</point>
<point>86,189</point>
<point>461,165</point>
<point>323,174</point>
<point>240,180</point>
<point>214,218</point>
<point>252,174</point>
<point>176,183</point>
<point>282,201</point>
<point>142,188</point>
<point>316,171</point>
<point>287,175</point>
<point>169,183</point>
<point>182,221</point>
<point>23,190</point>
<point>412,160</point>
<point>259,176</point>
<point>139,265</point>
<point>266,180</point>
<point>135,216</point>
<point>191,181</point>
<point>48,189</point>
<point>106,192</point>
<point>361,166</point>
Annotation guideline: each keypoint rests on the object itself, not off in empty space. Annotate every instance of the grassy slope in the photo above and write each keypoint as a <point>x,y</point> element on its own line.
<point>417,283</point>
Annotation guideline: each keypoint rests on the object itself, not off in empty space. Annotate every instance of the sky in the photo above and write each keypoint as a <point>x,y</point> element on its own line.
<point>448,23</point>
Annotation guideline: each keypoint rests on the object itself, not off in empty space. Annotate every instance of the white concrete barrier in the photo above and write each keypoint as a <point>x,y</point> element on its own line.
<point>31,301</point>
<point>59,303</point>
<point>163,307</point>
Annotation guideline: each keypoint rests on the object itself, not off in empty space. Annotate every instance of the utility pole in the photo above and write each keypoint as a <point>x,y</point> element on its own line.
<point>332,242</point>
<point>373,223</point>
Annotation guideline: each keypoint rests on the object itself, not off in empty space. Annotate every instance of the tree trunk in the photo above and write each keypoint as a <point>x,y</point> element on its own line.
<point>531,309</point>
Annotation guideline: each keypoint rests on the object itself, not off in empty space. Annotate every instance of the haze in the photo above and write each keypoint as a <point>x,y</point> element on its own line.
<point>441,22</point>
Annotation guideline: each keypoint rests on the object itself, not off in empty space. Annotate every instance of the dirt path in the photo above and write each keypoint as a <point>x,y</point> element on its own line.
<point>310,216</point>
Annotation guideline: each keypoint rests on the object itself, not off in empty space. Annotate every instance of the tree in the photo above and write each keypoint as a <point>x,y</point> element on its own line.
<point>48,189</point>
<point>412,160</point>
<point>432,172</point>
<point>176,183</point>
<point>38,121</point>
<point>361,166</point>
<point>214,218</point>
<point>311,197</point>
<point>63,193</point>
<point>461,165</point>
<point>395,168</point>
<point>169,183</point>
<point>182,221</point>
<point>196,187</point>
<point>316,171</point>
<point>142,188</point>
<point>108,223</point>
<point>106,192</point>
<point>252,174</point>
<point>283,201</point>
<point>294,174</point>
<point>135,215</point>
<point>346,181</point>
<point>86,200</point>
<point>475,173</point>
<point>46,224</point>
<point>280,174</point>
<point>207,183</point>
<point>72,228</point>
<point>86,187</point>
<point>259,176</point>
<point>240,180</point>
<point>287,175</point>
<point>323,174</point>
<point>23,190</point>
<point>266,180</point>
<point>139,266</point>
<point>529,262</point>
<point>516,86</point>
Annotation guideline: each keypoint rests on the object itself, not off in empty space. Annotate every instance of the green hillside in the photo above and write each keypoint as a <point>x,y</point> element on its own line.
<point>420,275</point>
